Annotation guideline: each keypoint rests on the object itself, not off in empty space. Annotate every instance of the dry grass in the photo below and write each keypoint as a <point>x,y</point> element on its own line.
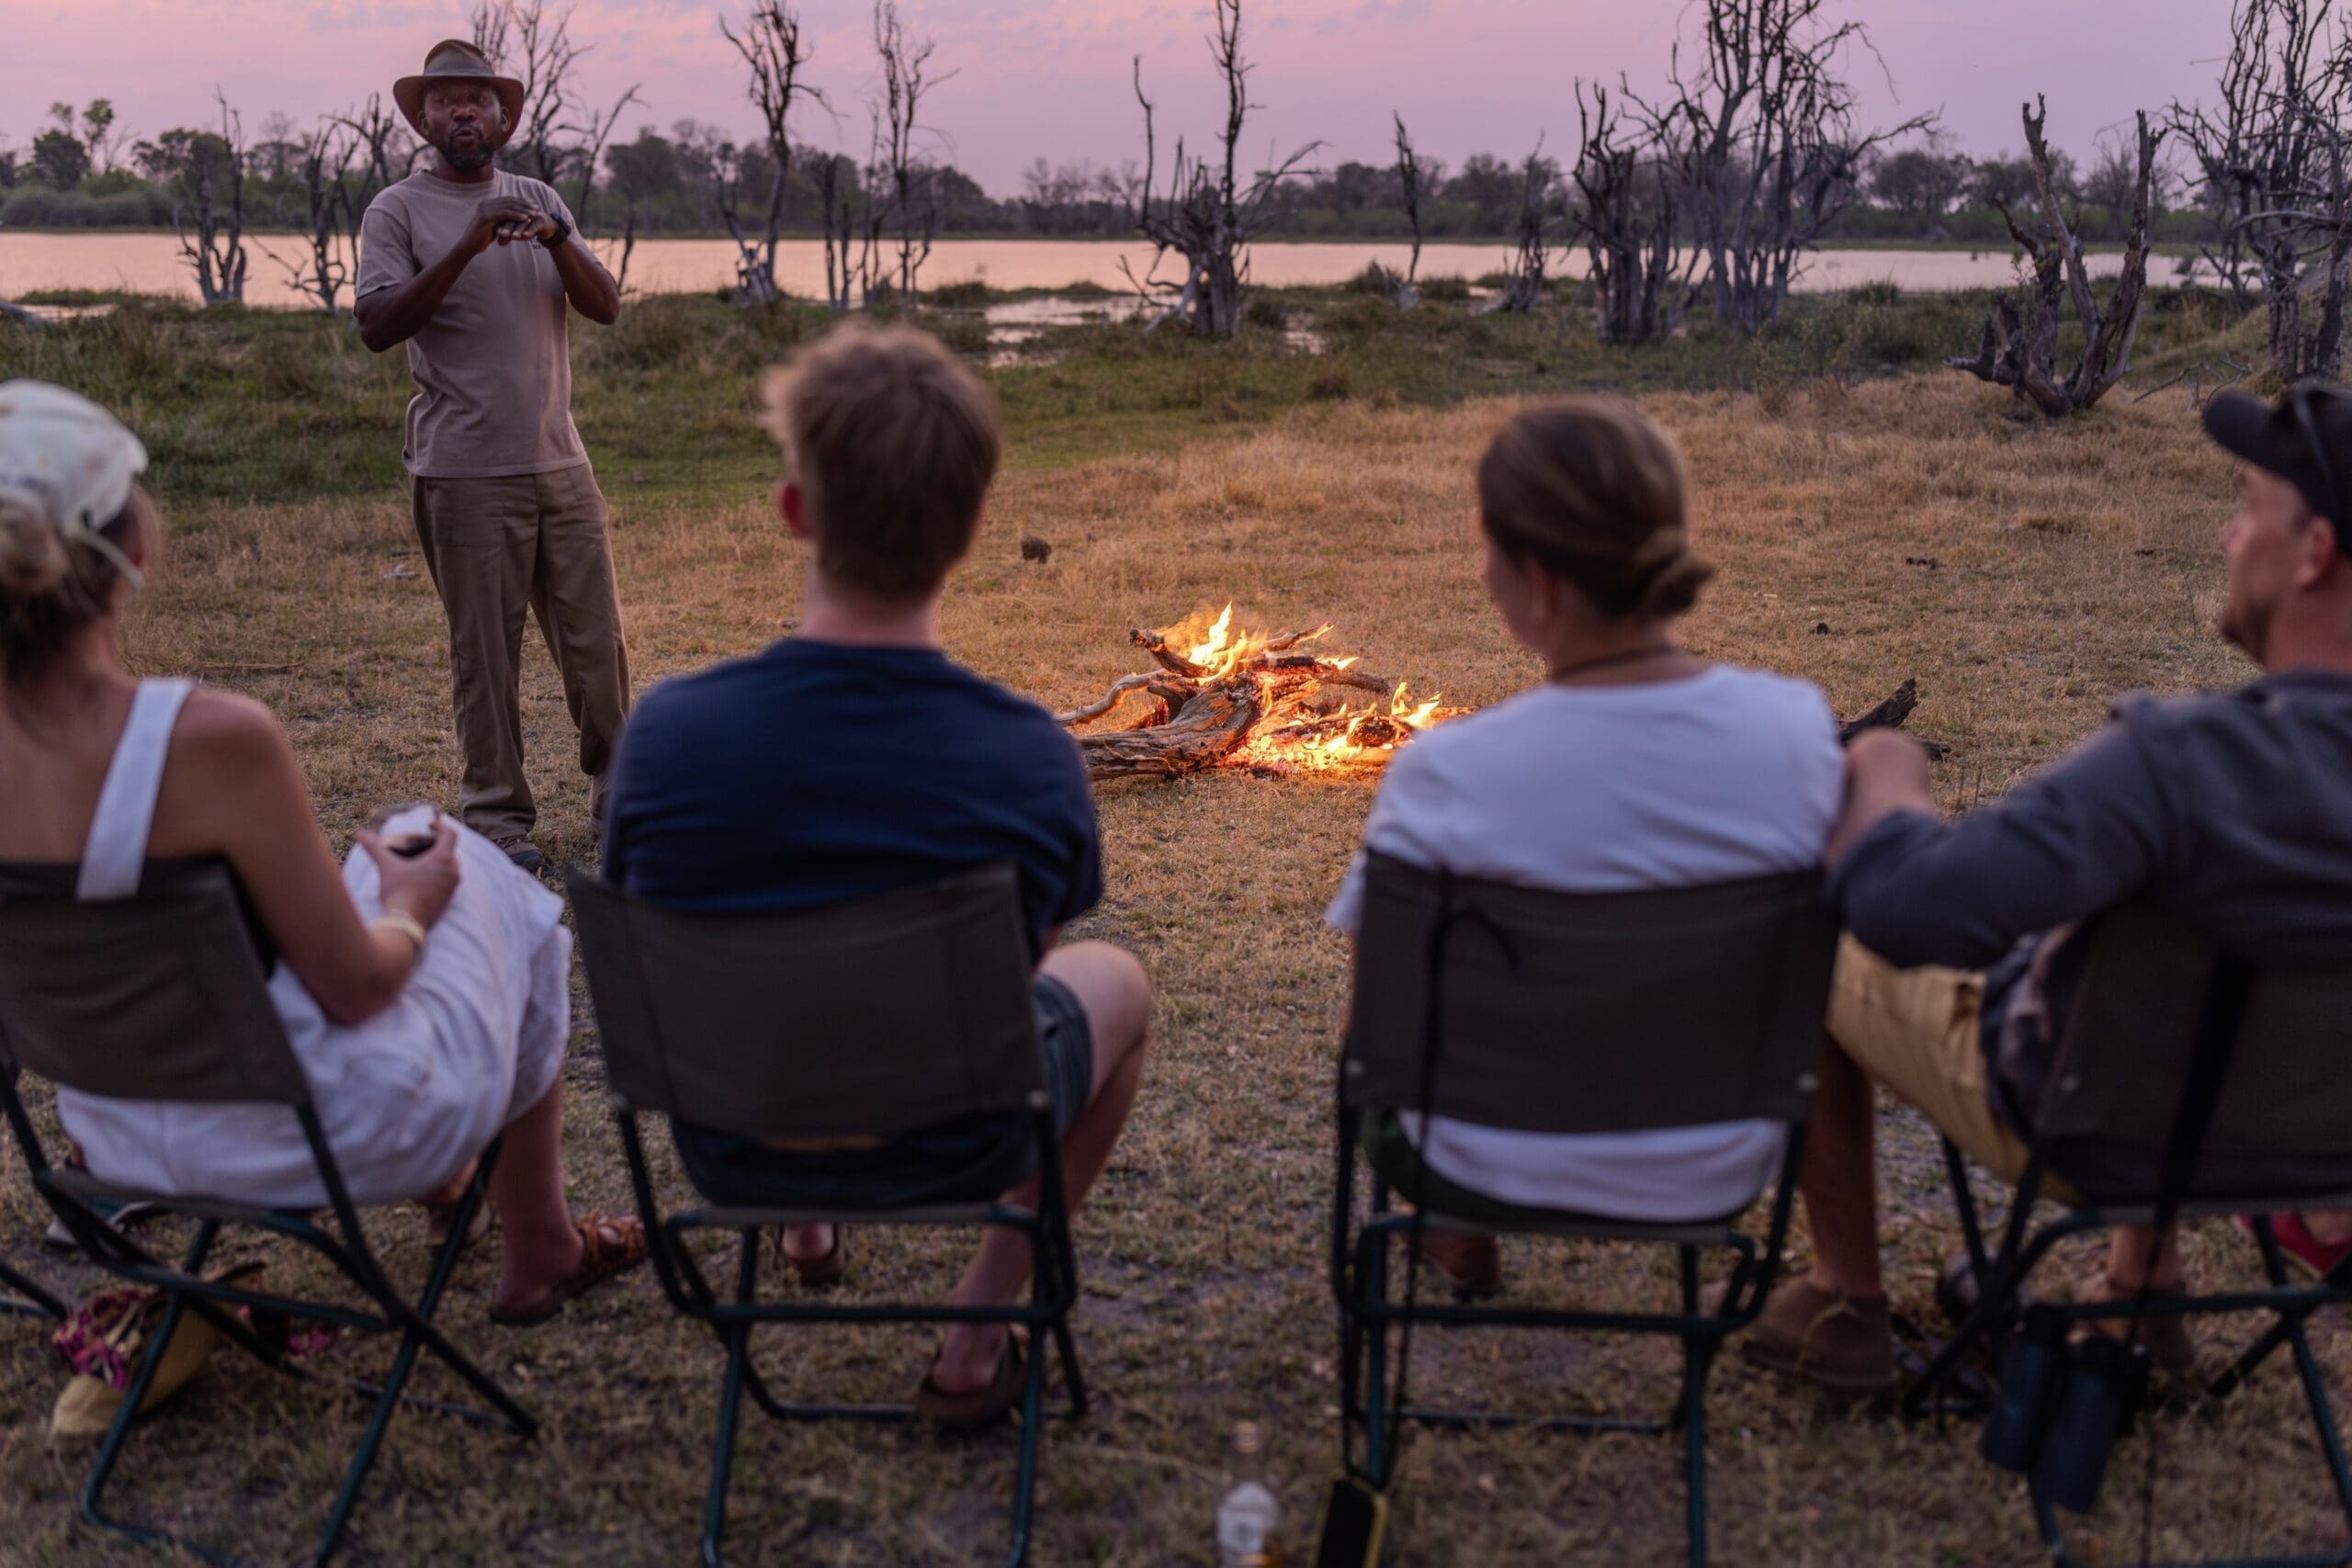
<point>2069,564</point>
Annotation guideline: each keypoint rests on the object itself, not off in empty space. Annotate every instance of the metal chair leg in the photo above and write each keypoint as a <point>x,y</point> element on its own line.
<point>723,1450</point>
<point>1024,1476</point>
<point>34,1300</point>
<point>1697,1358</point>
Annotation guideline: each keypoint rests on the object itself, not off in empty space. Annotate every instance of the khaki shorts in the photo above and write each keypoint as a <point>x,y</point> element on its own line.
<point>1919,1031</point>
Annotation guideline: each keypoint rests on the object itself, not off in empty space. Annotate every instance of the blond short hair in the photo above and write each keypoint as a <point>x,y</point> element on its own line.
<point>893,444</point>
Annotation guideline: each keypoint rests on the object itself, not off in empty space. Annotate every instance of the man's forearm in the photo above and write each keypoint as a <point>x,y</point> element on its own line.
<point>586,284</point>
<point>395,315</point>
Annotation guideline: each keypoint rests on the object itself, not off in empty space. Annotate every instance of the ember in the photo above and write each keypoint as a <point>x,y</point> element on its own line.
<point>1243,699</point>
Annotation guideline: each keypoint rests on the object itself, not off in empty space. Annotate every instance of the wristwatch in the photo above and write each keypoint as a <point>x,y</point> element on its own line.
<point>563,232</point>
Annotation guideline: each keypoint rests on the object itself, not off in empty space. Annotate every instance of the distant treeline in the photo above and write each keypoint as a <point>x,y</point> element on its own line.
<point>78,173</point>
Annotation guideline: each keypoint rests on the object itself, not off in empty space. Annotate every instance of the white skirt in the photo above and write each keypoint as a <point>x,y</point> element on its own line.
<point>475,1038</point>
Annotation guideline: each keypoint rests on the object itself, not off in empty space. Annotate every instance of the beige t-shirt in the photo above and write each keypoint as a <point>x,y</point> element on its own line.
<point>494,367</point>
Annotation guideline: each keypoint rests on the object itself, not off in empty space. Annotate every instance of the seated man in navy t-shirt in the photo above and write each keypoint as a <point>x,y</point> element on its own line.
<point>856,759</point>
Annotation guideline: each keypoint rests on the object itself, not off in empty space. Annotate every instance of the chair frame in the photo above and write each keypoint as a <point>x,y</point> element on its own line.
<point>1360,1265</point>
<point>1360,1261</point>
<point>2023,1246</point>
<point>70,1195</point>
<point>731,1317</point>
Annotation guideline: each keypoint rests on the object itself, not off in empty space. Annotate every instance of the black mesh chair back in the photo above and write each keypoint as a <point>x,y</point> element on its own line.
<point>2125,1048</point>
<point>870,1017</point>
<point>2279,1139</point>
<point>163,997</point>
<point>157,998</point>
<point>874,1015</point>
<point>1565,1014</point>
<point>1589,1012</point>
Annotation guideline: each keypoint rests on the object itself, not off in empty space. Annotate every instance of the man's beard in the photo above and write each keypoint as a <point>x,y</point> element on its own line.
<point>464,157</point>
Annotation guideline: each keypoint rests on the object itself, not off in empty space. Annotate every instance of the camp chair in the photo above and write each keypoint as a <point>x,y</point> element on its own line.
<point>162,997</point>
<point>871,1016</point>
<point>1573,1013</point>
<point>30,1299</point>
<point>2116,1083</point>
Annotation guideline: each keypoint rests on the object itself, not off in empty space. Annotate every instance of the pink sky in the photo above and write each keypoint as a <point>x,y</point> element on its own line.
<point>1051,76</point>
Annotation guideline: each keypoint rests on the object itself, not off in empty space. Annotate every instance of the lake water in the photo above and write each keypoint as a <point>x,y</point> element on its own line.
<point>151,264</point>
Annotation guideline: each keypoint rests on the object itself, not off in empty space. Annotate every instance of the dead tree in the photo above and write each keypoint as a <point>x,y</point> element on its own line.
<point>775,53</point>
<point>383,141</point>
<point>1762,144</point>
<point>2272,158</point>
<point>327,228</point>
<point>1404,288</point>
<point>2019,347</point>
<point>1531,254</point>
<point>1207,215</point>
<point>210,216</point>
<point>1630,225</point>
<point>914,203</point>
<point>536,48</point>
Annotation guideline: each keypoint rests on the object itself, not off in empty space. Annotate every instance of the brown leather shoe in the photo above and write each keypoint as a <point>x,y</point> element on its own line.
<point>1843,1344</point>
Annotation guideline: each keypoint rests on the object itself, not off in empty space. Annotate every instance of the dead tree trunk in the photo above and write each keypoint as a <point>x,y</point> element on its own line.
<point>1405,291</point>
<point>1207,215</point>
<point>2019,347</point>
<point>905,80</point>
<point>212,236</point>
<point>1630,224</point>
<point>774,54</point>
<point>1523,286</point>
<point>324,171</point>
<point>1763,146</point>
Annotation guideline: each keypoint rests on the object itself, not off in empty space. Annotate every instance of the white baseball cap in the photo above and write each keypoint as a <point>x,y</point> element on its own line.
<point>68,460</point>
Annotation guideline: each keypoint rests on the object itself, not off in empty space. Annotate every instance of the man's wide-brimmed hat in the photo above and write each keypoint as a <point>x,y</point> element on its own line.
<point>455,59</point>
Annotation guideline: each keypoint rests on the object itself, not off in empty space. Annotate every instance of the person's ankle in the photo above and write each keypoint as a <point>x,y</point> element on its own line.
<point>1839,1282</point>
<point>968,1356</point>
<point>808,1244</point>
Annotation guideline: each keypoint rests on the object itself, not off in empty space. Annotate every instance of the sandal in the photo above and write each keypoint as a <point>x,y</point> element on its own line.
<point>974,1410</point>
<point>827,1267</point>
<point>439,1216</point>
<point>608,1247</point>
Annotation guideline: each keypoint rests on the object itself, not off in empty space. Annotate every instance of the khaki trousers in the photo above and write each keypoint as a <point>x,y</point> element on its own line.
<point>495,547</point>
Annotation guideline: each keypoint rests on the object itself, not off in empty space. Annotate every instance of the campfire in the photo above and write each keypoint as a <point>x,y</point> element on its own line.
<point>1273,705</point>
<point>1271,702</point>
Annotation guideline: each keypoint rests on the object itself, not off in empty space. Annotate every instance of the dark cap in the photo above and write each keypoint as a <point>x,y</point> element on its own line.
<point>2305,438</point>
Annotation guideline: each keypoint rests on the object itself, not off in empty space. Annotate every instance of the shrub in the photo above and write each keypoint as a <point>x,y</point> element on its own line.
<point>1453,288</point>
<point>1878,292</point>
<point>962,295</point>
<point>1267,312</point>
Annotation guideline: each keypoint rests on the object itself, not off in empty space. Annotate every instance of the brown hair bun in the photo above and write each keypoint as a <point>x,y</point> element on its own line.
<point>1592,492</point>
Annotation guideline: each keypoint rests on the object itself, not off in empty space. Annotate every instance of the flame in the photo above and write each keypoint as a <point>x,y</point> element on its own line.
<point>1361,732</point>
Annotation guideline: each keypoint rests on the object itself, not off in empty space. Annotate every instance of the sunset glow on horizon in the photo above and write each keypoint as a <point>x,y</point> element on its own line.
<point>1040,79</point>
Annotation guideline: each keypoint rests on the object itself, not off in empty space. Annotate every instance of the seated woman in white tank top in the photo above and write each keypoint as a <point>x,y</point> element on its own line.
<point>1634,765</point>
<point>426,999</point>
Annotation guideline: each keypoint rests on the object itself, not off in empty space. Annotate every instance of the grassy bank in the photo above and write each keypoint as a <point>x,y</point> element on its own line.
<point>1867,527</point>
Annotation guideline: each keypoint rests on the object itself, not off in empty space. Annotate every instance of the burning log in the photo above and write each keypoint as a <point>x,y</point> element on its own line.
<point>1267,701</point>
<point>1238,699</point>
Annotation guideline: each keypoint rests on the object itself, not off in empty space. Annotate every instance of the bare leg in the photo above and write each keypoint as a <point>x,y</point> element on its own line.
<point>1839,1180</point>
<point>1117,999</point>
<point>541,1248</point>
<point>2328,1228</point>
<point>2130,1264</point>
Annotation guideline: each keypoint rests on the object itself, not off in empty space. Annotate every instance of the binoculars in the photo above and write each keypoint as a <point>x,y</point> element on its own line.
<point>2062,1406</point>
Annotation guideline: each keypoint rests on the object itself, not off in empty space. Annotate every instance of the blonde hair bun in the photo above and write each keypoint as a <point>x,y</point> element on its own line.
<point>34,561</point>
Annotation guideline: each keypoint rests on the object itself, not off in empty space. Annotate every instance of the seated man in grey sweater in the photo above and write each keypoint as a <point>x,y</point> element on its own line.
<point>2232,810</point>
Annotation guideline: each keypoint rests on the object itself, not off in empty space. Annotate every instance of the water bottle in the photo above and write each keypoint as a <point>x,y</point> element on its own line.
<point>1250,1516</point>
<point>2031,1371</point>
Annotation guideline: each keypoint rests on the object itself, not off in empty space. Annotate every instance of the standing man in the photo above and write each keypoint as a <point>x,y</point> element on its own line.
<point>474,267</point>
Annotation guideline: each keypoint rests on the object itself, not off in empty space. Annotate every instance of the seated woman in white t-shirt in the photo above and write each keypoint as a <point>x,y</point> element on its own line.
<point>1633,765</point>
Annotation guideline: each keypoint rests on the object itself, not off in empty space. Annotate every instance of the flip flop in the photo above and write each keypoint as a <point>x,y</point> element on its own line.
<point>975,1410</point>
<point>608,1247</point>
